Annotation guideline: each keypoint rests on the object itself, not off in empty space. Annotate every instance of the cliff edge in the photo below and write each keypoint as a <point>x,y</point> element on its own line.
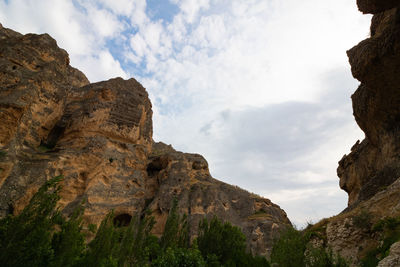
<point>370,174</point>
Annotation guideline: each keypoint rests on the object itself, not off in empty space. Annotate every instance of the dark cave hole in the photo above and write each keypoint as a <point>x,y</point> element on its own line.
<point>53,137</point>
<point>122,220</point>
<point>14,67</point>
<point>156,165</point>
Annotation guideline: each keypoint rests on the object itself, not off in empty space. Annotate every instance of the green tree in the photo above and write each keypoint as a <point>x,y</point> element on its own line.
<point>69,243</point>
<point>101,248</point>
<point>289,249</point>
<point>175,230</point>
<point>132,245</point>
<point>223,244</point>
<point>180,257</point>
<point>138,246</point>
<point>293,248</point>
<point>26,238</point>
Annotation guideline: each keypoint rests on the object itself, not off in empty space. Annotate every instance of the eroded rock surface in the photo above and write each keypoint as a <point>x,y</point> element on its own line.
<point>370,173</point>
<point>99,137</point>
<point>187,178</point>
<point>375,162</point>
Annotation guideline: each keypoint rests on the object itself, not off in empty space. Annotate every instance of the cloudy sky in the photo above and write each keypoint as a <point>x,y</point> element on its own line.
<point>261,88</point>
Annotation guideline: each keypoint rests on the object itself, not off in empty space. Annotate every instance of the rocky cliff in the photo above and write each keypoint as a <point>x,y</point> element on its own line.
<point>370,173</point>
<point>99,137</point>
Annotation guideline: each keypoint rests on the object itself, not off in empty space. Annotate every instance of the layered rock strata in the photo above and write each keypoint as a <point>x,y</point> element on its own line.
<point>99,137</point>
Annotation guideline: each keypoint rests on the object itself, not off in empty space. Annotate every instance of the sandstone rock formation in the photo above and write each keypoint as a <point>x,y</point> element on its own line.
<point>374,163</point>
<point>370,173</point>
<point>99,137</point>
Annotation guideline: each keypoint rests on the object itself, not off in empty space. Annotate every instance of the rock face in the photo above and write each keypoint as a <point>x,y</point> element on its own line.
<point>186,177</point>
<point>374,163</point>
<point>370,173</point>
<point>99,137</point>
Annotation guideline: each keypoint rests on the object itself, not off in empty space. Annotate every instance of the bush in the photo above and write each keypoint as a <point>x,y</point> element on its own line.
<point>390,228</point>
<point>223,244</point>
<point>289,249</point>
<point>363,220</point>
<point>177,257</point>
<point>293,248</point>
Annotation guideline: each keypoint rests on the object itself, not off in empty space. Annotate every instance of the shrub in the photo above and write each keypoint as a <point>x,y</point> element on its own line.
<point>293,248</point>
<point>177,257</point>
<point>289,249</point>
<point>363,220</point>
<point>223,244</point>
<point>390,228</point>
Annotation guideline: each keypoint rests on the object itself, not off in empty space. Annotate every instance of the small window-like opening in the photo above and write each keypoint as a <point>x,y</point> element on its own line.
<point>122,220</point>
<point>156,165</point>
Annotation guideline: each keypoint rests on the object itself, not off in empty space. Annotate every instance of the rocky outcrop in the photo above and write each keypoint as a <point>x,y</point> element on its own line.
<point>376,6</point>
<point>374,163</point>
<point>99,138</point>
<point>173,174</point>
<point>370,173</point>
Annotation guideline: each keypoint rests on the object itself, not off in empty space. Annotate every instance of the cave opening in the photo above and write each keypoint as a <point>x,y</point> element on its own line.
<point>122,220</point>
<point>156,165</point>
<point>53,137</point>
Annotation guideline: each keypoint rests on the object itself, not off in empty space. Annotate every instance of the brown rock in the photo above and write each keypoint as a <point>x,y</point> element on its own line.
<point>186,177</point>
<point>375,163</point>
<point>376,6</point>
<point>99,137</point>
<point>370,173</point>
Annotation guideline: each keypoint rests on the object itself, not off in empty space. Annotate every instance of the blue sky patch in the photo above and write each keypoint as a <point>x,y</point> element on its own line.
<point>163,9</point>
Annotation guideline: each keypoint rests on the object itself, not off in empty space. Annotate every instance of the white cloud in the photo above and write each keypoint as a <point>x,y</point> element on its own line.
<point>138,45</point>
<point>191,8</point>
<point>82,31</point>
<point>122,7</point>
<point>102,65</point>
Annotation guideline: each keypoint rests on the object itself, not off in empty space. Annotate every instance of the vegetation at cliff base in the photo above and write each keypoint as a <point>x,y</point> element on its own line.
<point>41,236</point>
<point>389,231</point>
<point>294,248</point>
